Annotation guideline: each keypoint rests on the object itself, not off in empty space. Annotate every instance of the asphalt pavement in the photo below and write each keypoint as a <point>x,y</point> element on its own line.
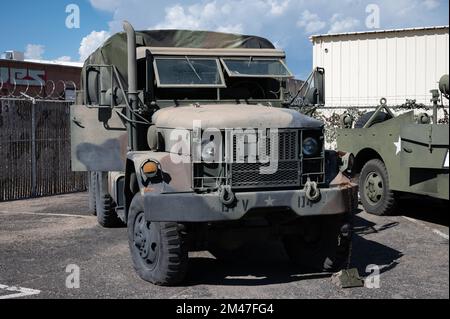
<point>43,243</point>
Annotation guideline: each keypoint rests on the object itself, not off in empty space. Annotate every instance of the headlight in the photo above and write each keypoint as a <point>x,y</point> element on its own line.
<point>310,146</point>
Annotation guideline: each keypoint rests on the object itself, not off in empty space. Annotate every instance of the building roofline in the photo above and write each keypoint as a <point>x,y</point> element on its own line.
<point>55,62</point>
<point>317,36</point>
<point>45,62</point>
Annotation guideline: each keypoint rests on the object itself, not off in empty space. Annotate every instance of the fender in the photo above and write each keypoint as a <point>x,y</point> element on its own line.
<point>170,165</point>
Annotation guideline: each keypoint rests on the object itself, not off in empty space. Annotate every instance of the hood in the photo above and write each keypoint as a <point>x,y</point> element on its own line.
<point>223,116</point>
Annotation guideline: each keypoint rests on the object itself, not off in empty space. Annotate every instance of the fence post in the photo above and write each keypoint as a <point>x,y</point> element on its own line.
<point>33,149</point>
<point>33,145</point>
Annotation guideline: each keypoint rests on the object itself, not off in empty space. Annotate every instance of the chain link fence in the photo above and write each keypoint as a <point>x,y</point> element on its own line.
<point>35,156</point>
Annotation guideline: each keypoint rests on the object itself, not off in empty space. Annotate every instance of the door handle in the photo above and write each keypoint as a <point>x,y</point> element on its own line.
<point>77,122</point>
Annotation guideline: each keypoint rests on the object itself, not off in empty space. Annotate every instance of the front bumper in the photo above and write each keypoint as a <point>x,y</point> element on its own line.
<point>193,207</point>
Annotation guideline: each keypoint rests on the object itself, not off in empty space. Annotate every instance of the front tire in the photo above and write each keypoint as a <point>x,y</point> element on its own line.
<point>376,196</point>
<point>158,250</point>
<point>323,245</point>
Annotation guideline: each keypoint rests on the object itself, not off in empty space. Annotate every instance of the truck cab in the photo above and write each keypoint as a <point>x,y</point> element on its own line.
<point>189,145</point>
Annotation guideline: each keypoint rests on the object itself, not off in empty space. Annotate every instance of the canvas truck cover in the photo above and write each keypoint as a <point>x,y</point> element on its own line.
<point>114,50</point>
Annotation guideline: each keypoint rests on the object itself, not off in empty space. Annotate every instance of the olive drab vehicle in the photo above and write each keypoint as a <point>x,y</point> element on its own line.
<point>188,145</point>
<point>398,155</point>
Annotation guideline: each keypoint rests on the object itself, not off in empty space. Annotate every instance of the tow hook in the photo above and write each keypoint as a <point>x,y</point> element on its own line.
<point>312,191</point>
<point>226,195</point>
<point>346,230</point>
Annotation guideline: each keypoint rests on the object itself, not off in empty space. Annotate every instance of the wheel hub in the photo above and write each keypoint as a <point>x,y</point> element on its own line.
<point>146,239</point>
<point>373,187</point>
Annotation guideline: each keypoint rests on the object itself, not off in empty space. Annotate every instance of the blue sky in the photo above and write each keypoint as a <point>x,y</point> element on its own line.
<point>39,27</point>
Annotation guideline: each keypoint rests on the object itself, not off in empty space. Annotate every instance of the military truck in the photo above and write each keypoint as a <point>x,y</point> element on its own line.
<point>398,155</point>
<point>187,144</point>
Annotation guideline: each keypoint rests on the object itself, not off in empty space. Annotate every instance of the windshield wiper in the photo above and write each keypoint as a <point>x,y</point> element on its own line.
<point>250,60</point>
<point>193,68</point>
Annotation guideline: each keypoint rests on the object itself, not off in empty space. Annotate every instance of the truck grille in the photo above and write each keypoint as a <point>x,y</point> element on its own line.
<point>288,173</point>
<point>293,169</point>
<point>249,175</point>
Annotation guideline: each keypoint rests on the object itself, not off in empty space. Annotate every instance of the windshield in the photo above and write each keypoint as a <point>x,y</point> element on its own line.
<point>185,72</point>
<point>250,67</point>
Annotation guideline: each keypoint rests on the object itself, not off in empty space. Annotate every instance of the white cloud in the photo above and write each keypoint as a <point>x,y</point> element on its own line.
<point>177,18</point>
<point>311,22</point>
<point>92,42</point>
<point>34,51</point>
<point>204,16</point>
<point>341,24</point>
<point>237,28</point>
<point>236,16</point>
<point>279,8</point>
<point>273,19</point>
<point>64,58</point>
<point>106,5</point>
<point>431,4</point>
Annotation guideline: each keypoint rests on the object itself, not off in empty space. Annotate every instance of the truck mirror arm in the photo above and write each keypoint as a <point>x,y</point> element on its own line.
<point>124,117</point>
<point>127,103</point>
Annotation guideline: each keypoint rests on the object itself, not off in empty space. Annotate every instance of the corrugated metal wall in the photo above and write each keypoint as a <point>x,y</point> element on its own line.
<point>362,68</point>
<point>35,150</point>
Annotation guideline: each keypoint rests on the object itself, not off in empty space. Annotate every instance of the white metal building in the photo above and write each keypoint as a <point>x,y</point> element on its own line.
<point>362,67</point>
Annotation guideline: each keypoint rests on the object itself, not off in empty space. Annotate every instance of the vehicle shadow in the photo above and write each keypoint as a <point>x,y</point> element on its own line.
<point>267,263</point>
<point>368,252</point>
<point>428,210</point>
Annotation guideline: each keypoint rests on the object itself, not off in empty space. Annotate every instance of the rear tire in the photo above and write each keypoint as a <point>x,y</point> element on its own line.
<point>159,250</point>
<point>92,181</point>
<point>105,207</point>
<point>380,118</point>
<point>376,196</point>
<point>323,245</point>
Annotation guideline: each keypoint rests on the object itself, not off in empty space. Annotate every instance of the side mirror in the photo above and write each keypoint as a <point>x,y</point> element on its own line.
<point>92,86</point>
<point>101,88</point>
<point>311,96</point>
<point>319,84</point>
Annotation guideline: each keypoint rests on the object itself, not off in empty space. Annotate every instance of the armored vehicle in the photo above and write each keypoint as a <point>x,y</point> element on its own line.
<point>398,155</point>
<point>187,145</point>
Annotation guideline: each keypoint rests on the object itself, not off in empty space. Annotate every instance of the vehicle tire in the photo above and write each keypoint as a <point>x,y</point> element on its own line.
<point>92,192</point>
<point>159,250</point>
<point>323,245</point>
<point>105,207</point>
<point>375,194</point>
<point>380,118</point>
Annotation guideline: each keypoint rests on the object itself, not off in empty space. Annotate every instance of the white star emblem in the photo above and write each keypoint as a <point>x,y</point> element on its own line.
<point>398,146</point>
<point>269,201</point>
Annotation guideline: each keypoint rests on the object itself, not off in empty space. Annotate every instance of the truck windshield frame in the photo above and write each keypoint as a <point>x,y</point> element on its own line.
<point>198,72</point>
<point>232,66</point>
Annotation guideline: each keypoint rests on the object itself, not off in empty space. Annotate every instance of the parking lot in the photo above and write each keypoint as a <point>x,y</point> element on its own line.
<point>39,238</point>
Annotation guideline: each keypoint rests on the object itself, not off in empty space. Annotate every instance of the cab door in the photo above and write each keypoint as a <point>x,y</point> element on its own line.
<point>98,139</point>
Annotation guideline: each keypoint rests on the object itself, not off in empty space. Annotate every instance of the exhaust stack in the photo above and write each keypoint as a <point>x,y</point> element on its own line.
<point>132,84</point>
